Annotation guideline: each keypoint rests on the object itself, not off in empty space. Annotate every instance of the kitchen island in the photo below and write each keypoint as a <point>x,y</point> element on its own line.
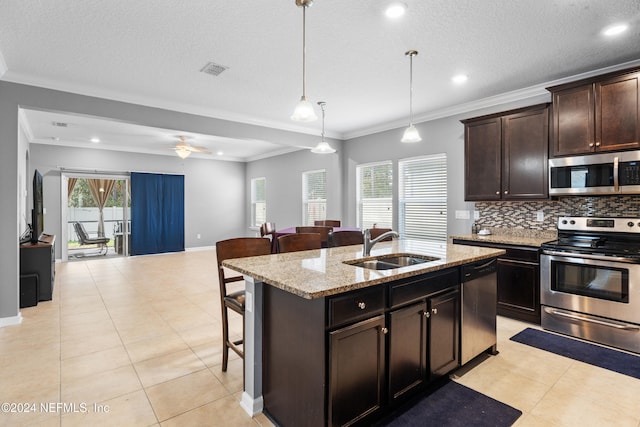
<point>327,342</point>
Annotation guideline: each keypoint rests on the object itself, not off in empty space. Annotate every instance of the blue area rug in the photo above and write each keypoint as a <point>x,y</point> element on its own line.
<point>617,361</point>
<point>455,405</point>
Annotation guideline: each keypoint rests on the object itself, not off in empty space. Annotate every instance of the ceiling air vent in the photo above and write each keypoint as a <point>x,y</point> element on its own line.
<point>60,124</point>
<point>213,69</point>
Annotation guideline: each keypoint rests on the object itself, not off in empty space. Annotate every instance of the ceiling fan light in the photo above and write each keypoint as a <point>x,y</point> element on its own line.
<point>304,111</point>
<point>323,147</point>
<point>411,134</point>
<point>182,152</point>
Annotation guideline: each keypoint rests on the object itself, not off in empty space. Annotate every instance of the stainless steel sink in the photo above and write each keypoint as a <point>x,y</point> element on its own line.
<point>388,262</point>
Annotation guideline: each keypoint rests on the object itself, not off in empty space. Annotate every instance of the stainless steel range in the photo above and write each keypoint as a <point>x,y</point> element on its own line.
<point>590,280</point>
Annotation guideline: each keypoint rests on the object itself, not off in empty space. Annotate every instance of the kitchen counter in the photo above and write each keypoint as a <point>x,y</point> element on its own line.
<point>507,239</point>
<point>287,315</point>
<point>321,273</point>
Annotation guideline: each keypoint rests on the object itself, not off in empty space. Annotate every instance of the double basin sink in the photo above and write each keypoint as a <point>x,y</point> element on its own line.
<point>389,262</point>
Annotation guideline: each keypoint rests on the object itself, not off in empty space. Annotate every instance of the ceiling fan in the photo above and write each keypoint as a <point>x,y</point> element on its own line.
<point>183,148</point>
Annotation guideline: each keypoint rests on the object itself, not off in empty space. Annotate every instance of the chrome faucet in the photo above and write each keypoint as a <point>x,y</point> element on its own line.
<point>368,243</point>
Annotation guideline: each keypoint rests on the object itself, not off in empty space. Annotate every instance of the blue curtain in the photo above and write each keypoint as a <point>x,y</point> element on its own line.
<point>157,213</point>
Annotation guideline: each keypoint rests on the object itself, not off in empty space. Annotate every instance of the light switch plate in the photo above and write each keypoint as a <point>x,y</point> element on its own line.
<point>248,301</point>
<point>476,214</point>
<point>539,216</point>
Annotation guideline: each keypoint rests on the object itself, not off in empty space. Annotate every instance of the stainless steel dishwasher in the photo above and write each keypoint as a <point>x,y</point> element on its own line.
<point>479,307</point>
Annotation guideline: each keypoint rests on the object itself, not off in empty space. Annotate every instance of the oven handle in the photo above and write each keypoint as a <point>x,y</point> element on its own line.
<point>589,256</point>
<point>574,316</point>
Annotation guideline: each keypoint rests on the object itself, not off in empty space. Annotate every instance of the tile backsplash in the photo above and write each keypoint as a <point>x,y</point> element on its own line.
<point>523,215</point>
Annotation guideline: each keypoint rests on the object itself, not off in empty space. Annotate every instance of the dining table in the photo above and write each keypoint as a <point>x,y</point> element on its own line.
<point>292,230</point>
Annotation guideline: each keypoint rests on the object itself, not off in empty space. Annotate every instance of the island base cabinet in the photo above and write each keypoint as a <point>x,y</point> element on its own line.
<point>444,333</point>
<point>407,349</point>
<point>356,371</point>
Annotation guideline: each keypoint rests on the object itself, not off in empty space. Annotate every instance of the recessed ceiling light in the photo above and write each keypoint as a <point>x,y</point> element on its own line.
<point>219,153</point>
<point>459,79</point>
<point>614,30</point>
<point>395,10</point>
<point>95,140</point>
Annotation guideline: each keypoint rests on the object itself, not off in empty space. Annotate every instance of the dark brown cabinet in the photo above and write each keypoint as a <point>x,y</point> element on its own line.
<point>37,261</point>
<point>349,359</point>
<point>423,336</point>
<point>598,114</point>
<point>518,277</point>
<point>506,155</point>
<point>356,371</point>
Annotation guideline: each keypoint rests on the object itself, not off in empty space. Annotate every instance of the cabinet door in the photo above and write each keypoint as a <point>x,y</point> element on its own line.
<point>519,290</point>
<point>525,139</point>
<point>407,349</point>
<point>618,113</point>
<point>356,371</point>
<point>482,156</point>
<point>444,333</point>
<point>573,121</point>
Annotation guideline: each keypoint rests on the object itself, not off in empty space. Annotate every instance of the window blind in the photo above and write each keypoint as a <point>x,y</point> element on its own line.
<point>375,195</point>
<point>258,201</point>
<point>314,196</point>
<point>423,197</point>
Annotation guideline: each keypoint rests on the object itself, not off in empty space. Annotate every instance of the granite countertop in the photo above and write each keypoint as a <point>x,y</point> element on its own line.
<point>517,240</point>
<point>321,272</point>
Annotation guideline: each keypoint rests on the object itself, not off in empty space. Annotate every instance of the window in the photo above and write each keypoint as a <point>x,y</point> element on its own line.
<point>423,198</point>
<point>258,201</point>
<point>314,196</point>
<point>375,195</point>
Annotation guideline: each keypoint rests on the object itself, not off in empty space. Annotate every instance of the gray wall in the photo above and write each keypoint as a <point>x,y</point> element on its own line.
<point>214,190</point>
<point>13,153</point>
<point>284,183</point>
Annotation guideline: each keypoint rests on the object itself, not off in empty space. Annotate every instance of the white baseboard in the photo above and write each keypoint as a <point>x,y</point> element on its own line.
<point>9,321</point>
<point>199,248</point>
<point>250,405</point>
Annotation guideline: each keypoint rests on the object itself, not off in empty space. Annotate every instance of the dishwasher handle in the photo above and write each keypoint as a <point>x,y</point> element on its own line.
<point>478,269</point>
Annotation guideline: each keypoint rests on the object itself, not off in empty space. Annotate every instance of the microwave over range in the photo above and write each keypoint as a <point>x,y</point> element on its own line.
<point>601,174</point>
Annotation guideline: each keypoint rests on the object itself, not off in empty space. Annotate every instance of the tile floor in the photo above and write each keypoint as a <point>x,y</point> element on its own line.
<point>136,341</point>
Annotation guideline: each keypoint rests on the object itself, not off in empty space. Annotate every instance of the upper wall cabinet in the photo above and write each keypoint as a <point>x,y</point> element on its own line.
<point>506,155</point>
<point>598,114</point>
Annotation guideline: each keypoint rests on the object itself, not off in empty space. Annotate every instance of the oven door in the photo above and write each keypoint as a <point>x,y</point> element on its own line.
<point>591,284</point>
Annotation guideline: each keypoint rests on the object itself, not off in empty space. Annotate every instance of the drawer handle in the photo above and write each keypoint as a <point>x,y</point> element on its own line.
<point>385,331</point>
<point>362,305</point>
<point>426,314</point>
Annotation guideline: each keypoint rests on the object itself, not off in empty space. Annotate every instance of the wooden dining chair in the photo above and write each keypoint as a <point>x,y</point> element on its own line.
<point>267,229</point>
<point>299,242</point>
<point>327,222</point>
<point>228,249</point>
<point>322,230</point>
<point>375,232</point>
<point>345,238</point>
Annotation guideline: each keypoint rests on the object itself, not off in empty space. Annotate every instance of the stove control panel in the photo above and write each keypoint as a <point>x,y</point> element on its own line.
<point>609,225</point>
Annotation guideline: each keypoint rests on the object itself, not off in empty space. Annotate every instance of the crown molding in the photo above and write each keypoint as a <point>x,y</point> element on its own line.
<point>538,90</point>
<point>85,90</point>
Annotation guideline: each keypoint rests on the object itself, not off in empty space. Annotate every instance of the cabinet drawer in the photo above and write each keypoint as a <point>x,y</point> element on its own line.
<point>356,305</point>
<point>416,288</point>
<point>521,255</point>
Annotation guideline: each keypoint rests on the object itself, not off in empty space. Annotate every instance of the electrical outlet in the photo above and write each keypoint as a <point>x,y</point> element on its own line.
<point>539,216</point>
<point>462,214</point>
<point>476,214</point>
<point>198,236</point>
<point>248,301</point>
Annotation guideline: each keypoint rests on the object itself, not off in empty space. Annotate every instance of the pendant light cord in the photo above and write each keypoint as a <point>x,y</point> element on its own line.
<point>304,52</point>
<point>411,89</point>
<point>322,107</point>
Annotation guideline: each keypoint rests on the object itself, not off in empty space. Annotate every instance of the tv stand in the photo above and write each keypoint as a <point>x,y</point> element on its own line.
<point>38,259</point>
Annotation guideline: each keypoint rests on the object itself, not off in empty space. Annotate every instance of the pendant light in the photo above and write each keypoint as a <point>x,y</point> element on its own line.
<point>304,110</point>
<point>411,133</point>
<point>323,147</point>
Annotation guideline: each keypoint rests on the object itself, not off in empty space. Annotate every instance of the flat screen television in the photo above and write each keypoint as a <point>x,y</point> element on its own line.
<point>37,213</point>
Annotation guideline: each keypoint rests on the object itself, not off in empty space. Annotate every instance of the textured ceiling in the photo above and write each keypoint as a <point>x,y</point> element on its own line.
<point>151,52</point>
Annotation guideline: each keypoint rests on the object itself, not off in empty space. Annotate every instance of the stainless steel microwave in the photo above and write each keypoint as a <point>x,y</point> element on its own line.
<point>600,174</point>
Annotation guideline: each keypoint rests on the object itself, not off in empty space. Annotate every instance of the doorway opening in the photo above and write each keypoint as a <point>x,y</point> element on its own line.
<point>96,216</point>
